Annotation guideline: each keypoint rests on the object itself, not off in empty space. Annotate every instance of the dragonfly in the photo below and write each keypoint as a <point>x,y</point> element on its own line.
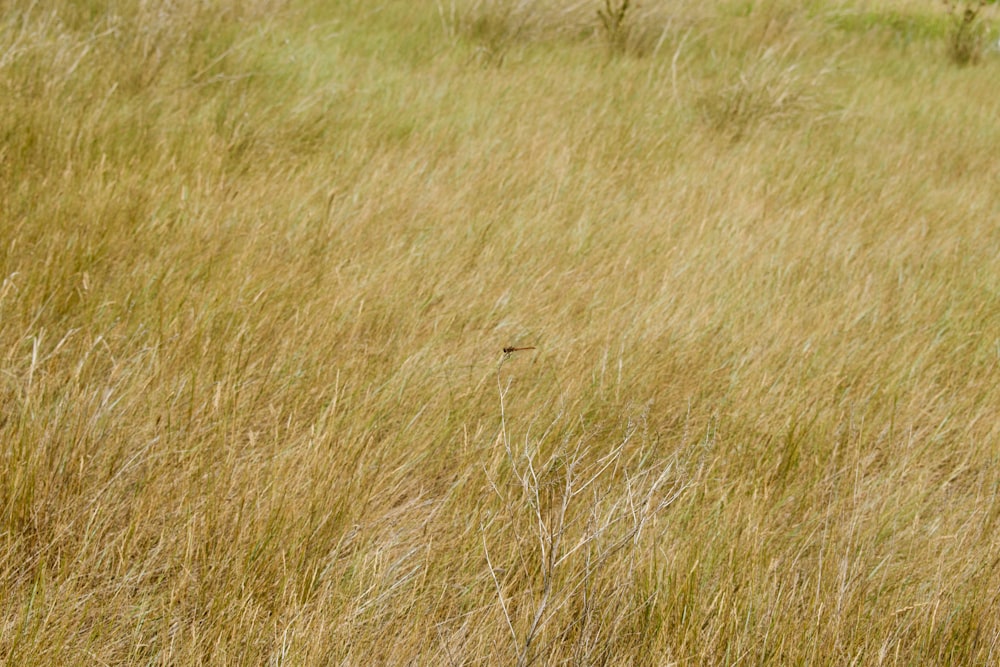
<point>509,350</point>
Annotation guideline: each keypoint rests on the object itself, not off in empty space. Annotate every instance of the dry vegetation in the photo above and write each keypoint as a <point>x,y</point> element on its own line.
<point>259,261</point>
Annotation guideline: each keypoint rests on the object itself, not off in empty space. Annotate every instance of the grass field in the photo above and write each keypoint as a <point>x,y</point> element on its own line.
<point>259,262</point>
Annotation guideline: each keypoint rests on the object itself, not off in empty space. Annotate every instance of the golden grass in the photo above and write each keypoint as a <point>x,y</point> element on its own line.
<point>259,262</point>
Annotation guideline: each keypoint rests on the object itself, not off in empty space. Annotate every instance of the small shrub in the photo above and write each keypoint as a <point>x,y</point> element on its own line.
<point>967,36</point>
<point>636,31</point>
<point>615,24</point>
<point>567,512</point>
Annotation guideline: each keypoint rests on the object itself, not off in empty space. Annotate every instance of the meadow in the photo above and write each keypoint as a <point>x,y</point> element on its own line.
<point>260,262</point>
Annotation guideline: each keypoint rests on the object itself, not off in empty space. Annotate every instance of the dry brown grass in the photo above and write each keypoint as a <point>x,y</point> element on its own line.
<point>258,263</point>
